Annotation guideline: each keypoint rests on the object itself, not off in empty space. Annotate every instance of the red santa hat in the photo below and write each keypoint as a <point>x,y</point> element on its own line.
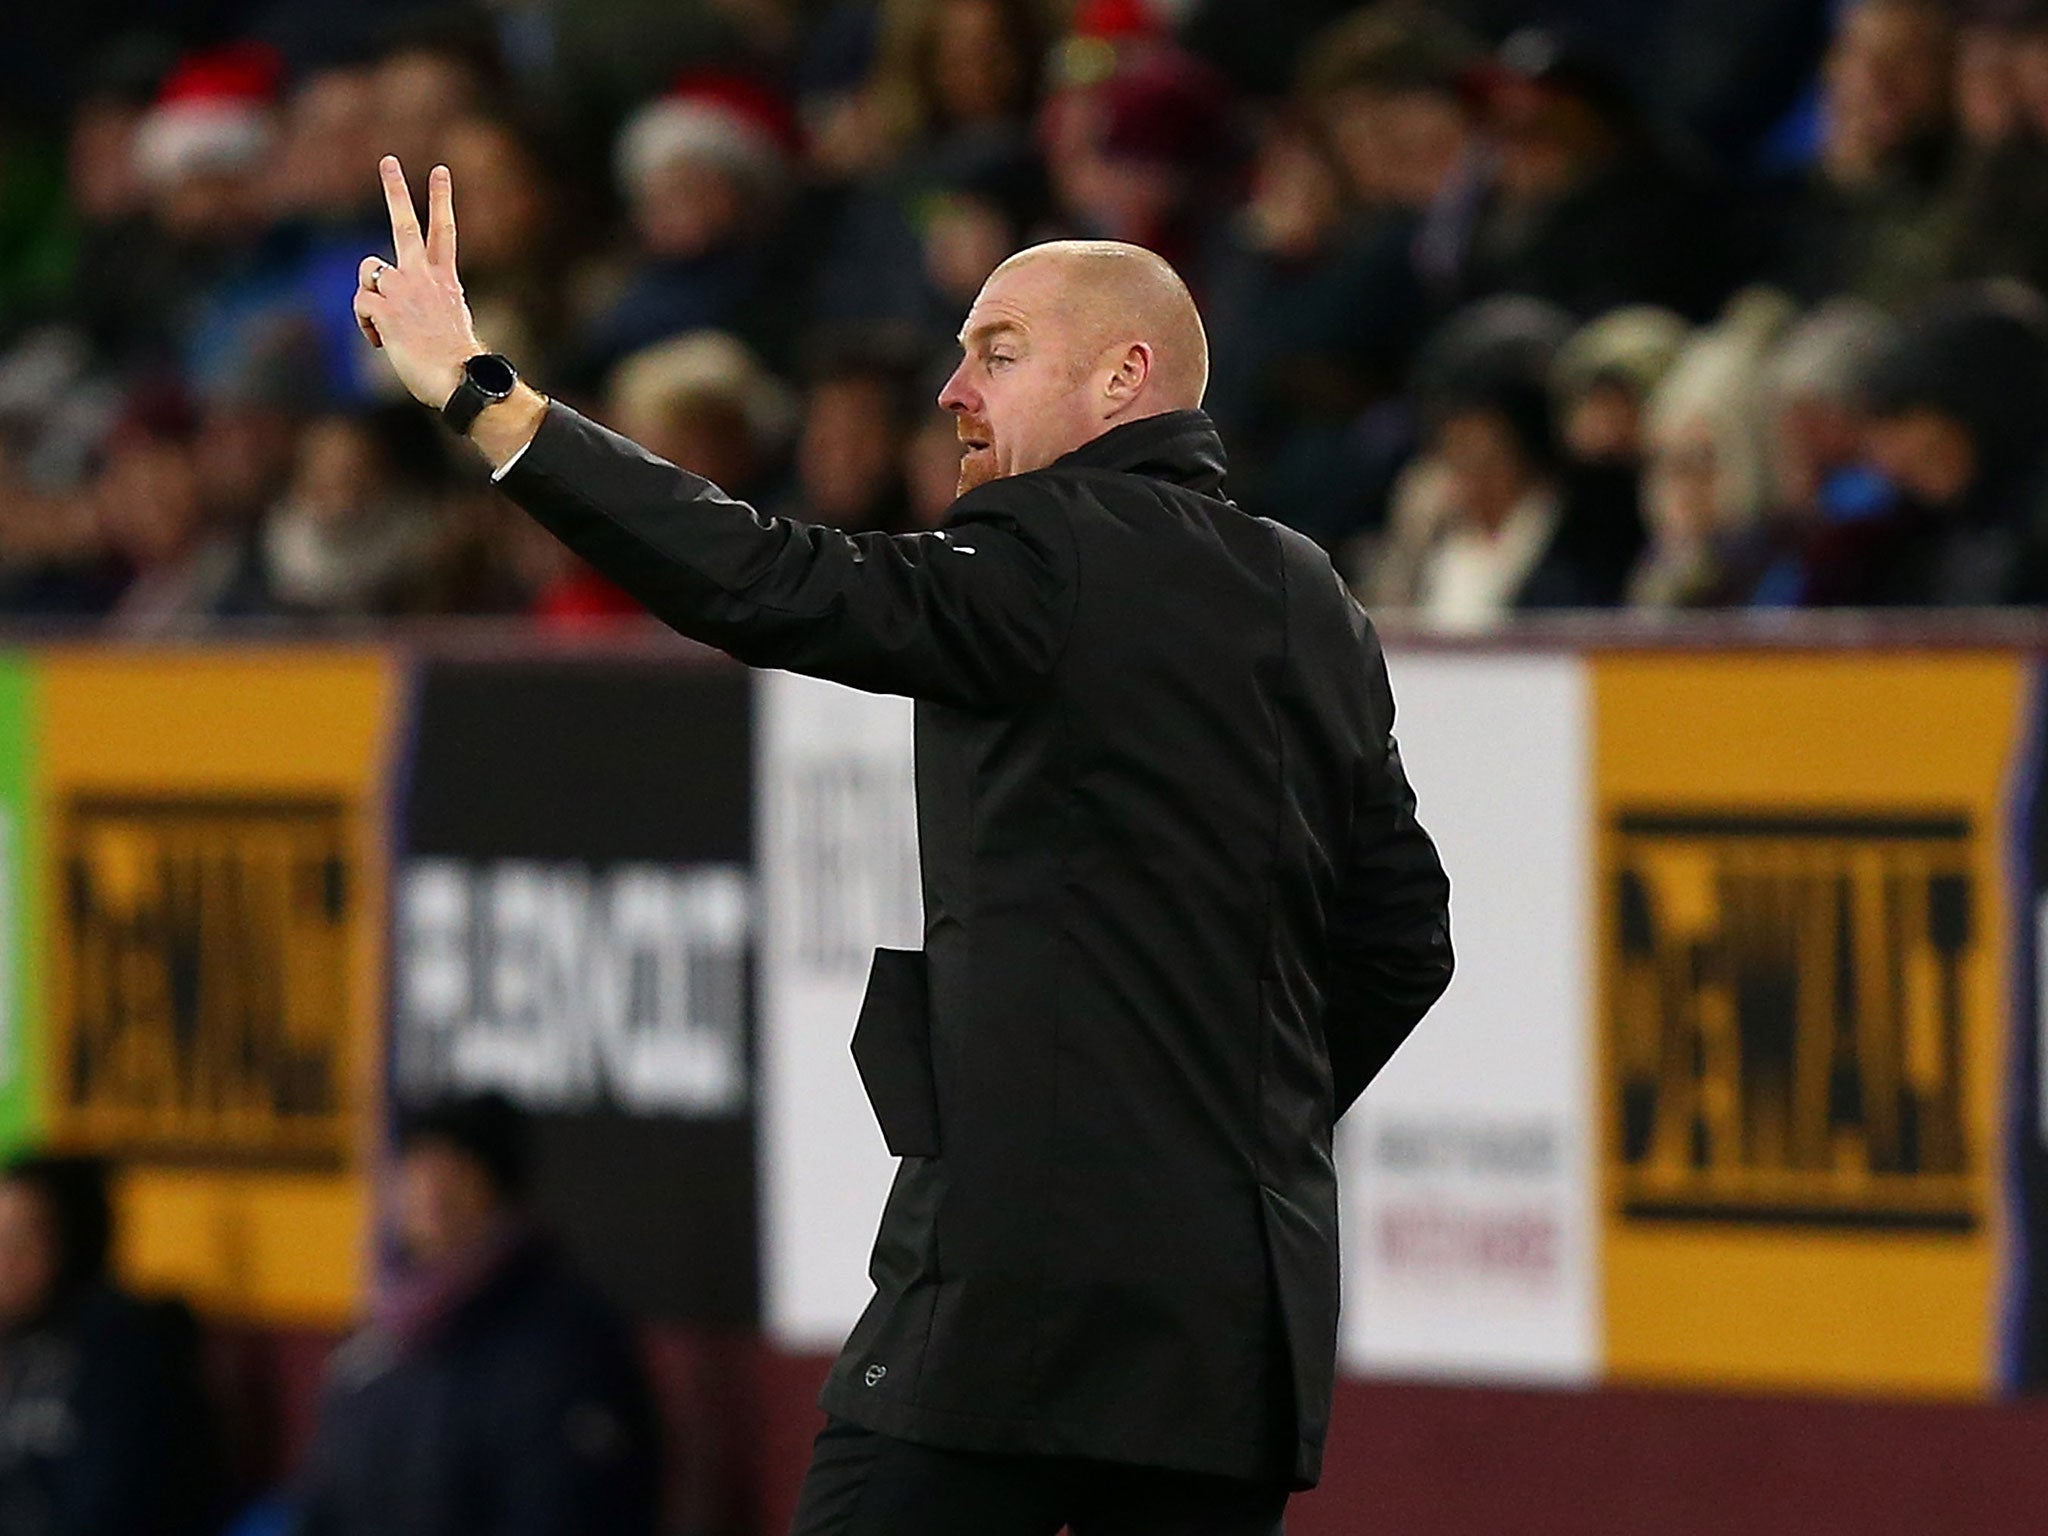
<point>730,121</point>
<point>1102,36</point>
<point>1117,21</point>
<point>213,113</point>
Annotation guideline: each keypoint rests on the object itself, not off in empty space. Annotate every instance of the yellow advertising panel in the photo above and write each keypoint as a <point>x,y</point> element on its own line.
<point>1802,973</point>
<point>214,893</point>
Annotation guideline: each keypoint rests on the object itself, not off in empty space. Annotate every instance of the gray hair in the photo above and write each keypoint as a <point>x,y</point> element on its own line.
<point>1827,355</point>
<point>706,366</point>
<point>1717,385</point>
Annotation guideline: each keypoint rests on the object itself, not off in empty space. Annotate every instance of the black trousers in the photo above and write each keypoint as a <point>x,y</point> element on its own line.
<point>864,1484</point>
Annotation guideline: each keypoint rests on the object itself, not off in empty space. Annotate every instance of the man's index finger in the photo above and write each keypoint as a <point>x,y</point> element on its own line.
<point>405,222</point>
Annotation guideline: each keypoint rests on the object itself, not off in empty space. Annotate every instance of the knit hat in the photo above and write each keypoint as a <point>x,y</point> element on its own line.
<point>1166,107</point>
<point>727,120</point>
<point>1509,336</point>
<point>1980,357</point>
<point>1633,346</point>
<point>214,112</point>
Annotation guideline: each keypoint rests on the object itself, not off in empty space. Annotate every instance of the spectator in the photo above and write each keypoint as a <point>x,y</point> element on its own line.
<point>549,584</point>
<point>1708,477</point>
<point>492,1392</point>
<point>1386,89</point>
<point>204,149</point>
<point>1814,389</point>
<point>1989,110</point>
<point>262,265</point>
<point>1604,378</point>
<point>253,402</point>
<point>2027,22</point>
<point>1511,339</point>
<point>358,533</point>
<point>202,154</point>
<point>104,1424</point>
<point>120,277</point>
<point>1874,217</point>
<point>938,141</point>
<point>432,73</point>
<point>1732,73</point>
<point>1955,408</point>
<point>1387,84</point>
<point>321,194</point>
<point>1498,550</point>
<point>858,413</point>
<point>955,69</point>
<point>1813,392</point>
<point>703,400</point>
<point>512,253</point>
<point>329,140</point>
<point>829,79</point>
<point>54,414</point>
<point>1147,153</point>
<point>1315,304</point>
<point>931,457</point>
<point>217,203</point>
<point>931,470</point>
<point>1600,389</point>
<point>974,210</point>
<point>705,171</point>
<point>2002,116</point>
<point>1587,205</point>
<point>914,246</point>
<point>179,572</point>
<point>1306,330</point>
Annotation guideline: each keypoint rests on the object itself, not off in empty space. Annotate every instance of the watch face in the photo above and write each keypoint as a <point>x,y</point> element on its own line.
<point>492,374</point>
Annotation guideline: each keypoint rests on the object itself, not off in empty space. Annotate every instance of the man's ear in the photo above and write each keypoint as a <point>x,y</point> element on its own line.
<point>1128,376</point>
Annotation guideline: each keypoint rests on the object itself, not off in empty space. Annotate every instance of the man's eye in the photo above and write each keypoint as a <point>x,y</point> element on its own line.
<point>1000,359</point>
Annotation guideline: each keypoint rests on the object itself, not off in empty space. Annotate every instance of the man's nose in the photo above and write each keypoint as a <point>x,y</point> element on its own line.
<point>955,396</point>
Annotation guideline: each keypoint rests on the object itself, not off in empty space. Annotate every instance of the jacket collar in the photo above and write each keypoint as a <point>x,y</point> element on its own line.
<point>1181,447</point>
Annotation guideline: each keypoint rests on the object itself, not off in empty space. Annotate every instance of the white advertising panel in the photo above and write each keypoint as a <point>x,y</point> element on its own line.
<point>1470,1238</point>
<point>837,841</point>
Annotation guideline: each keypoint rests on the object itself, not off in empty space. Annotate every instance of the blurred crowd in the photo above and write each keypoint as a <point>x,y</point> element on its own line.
<point>1661,304</point>
<point>490,1391</point>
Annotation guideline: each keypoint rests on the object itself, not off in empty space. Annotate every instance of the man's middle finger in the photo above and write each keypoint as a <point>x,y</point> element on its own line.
<point>440,217</point>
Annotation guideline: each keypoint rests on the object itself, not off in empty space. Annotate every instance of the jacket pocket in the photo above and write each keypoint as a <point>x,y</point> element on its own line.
<point>892,1047</point>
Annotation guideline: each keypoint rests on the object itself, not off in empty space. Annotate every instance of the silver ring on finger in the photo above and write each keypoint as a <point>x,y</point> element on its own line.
<point>376,276</point>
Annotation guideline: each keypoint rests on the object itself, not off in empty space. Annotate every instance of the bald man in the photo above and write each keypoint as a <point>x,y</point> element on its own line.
<point>1178,909</point>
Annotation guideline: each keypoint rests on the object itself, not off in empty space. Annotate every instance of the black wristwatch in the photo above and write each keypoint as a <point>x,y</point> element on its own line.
<point>487,378</point>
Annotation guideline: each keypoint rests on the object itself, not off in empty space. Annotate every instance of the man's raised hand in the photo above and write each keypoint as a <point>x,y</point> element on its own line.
<point>415,310</point>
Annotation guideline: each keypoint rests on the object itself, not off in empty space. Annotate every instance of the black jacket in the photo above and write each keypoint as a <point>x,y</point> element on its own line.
<point>523,1412</point>
<point>104,1425</point>
<point>1178,912</point>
